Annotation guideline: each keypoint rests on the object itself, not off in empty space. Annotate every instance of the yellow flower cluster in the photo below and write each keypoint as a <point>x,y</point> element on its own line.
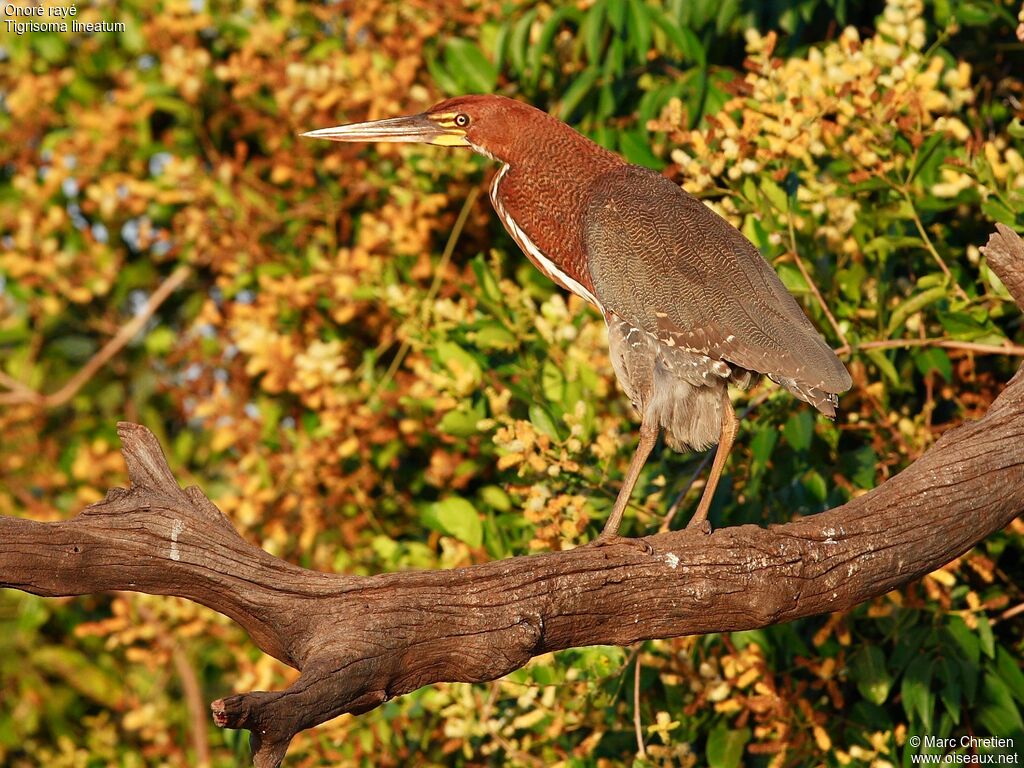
<point>878,754</point>
<point>558,520</point>
<point>846,99</point>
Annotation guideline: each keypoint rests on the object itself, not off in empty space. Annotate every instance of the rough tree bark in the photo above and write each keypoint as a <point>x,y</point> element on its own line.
<point>359,641</point>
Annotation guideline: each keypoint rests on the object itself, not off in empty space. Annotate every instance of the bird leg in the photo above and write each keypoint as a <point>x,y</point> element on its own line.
<point>730,426</point>
<point>649,430</point>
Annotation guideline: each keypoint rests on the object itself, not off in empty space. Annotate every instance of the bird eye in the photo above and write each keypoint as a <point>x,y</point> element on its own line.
<point>461,120</point>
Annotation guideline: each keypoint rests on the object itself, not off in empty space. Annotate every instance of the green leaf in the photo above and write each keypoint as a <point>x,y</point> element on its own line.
<point>552,382</point>
<point>616,13</point>
<point>792,278</point>
<point>996,712</point>
<point>758,637</point>
<point>725,746</point>
<point>160,341</point>
<point>924,153</point>
<point>634,146</point>
<point>798,430</point>
<point>851,281</point>
<point>775,195</point>
<point>541,419</point>
<point>1010,673</point>
<point>50,46</point>
<point>815,485</point>
<point>75,347</point>
<point>132,38</point>
<point>519,42</point>
<point>682,37</point>
<point>441,78</point>
<point>494,497</point>
<point>593,30</point>
<point>861,466</point>
<point>951,692</point>
<point>494,336</point>
<point>916,691</point>
<point>486,280</point>
<point>462,421</point>
<point>961,325</point>
<point>995,283</point>
<point>469,66</point>
<point>30,615</point>
<point>868,670</point>
<point>996,210</point>
<point>887,244</point>
<point>967,641</point>
<point>578,91</point>
<point>596,662</point>
<point>727,10</point>
<point>547,35</point>
<point>761,446</point>
<point>934,359</point>
<point>459,361</point>
<point>81,672</point>
<point>455,517</point>
<point>970,675</point>
<point>985,638</point>
<point>615,59</point>
<point>497,43</point>
<point>974,15</point>
<point>639,28</point>
<point>915,304</point>
<point>885,366</point>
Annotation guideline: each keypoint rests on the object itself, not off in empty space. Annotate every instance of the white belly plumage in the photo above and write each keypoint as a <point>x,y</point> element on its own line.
<point>542,262</point>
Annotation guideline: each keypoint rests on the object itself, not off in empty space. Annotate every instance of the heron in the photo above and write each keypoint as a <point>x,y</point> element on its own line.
<point>691,305</point>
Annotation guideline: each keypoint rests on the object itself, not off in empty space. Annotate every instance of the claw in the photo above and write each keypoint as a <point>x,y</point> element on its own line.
<point>613,539</point>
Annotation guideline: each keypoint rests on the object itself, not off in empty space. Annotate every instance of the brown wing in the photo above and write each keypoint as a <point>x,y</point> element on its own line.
<point>665,262</point>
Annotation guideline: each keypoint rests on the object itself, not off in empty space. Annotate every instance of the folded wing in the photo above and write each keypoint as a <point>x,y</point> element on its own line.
<point>666,263</point>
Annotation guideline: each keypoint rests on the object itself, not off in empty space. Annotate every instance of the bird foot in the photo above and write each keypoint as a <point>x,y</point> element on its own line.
<point>702,525</point>
<point>610,539</point>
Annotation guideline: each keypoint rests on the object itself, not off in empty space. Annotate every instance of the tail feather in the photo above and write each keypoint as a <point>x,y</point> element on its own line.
<point>826,402</point>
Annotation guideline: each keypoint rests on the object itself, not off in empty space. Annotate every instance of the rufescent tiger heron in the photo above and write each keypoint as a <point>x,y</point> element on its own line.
<point>690,303</point>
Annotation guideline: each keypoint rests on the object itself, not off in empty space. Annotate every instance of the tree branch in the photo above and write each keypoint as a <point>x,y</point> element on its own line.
<point>359,641</point>
<point>20,393</point>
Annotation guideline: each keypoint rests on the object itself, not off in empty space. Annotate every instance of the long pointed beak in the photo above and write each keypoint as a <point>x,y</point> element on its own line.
<point>414,128</point>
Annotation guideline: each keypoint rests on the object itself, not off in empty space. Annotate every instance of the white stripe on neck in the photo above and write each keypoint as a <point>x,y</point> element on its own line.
<point>542,262</point>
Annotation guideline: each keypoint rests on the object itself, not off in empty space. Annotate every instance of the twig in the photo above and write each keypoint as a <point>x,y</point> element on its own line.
<point>449,249</point>
<point>194,703</point>
<point>21,394</point>
<point>931,247</point>
<point>812,285</point>
<point>667,522</point>
<point>969,346</point>
<point>513,752</point>
<point>641,752</point>
<point>17,387</point>
<point>446,256</point>
<point>190,689</point>
<point>1009,613</point>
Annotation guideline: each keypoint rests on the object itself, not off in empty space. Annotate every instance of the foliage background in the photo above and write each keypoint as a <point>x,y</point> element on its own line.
<point>366,375</point>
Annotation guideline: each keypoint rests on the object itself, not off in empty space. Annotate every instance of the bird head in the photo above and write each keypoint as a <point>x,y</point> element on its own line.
<point>490,125</point>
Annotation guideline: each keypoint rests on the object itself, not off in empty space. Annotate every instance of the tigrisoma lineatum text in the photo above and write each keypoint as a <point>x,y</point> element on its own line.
<point>690,303</point>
